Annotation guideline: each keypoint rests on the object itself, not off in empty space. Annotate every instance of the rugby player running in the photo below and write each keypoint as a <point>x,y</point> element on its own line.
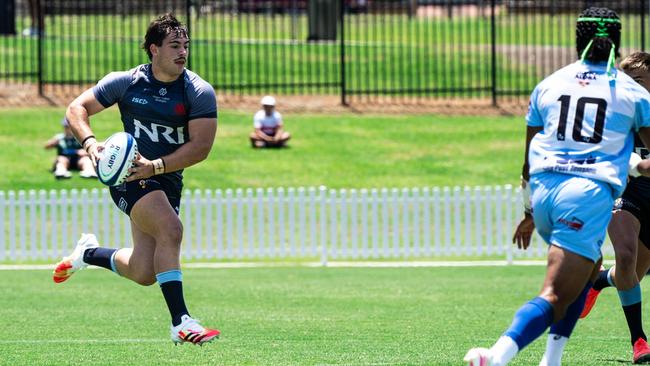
<point>172,113</point>
<point>579,139</point>
<point>629,232</point>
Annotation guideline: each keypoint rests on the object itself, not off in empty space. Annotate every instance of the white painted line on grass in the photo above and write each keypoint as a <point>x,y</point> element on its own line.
<point>83,341</point>
<point>336,264</point>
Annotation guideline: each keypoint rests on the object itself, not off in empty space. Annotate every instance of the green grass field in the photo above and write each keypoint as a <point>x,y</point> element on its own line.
<point>290,316</point>
<point>338,151</point>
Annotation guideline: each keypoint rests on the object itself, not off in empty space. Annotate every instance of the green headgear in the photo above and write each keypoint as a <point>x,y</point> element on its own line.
<point>601,31</point>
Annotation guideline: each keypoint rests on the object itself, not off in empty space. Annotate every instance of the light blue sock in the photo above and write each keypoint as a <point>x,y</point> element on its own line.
<point>530,321</point>
<point>172,275</point>
<point>631,296</point>
<point>113,266</point>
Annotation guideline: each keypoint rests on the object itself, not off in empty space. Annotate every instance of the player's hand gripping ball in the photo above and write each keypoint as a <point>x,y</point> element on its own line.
<point>117,157</point>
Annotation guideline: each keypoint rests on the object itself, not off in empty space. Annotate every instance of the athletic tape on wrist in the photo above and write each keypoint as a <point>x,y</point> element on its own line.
<point>158,166</point>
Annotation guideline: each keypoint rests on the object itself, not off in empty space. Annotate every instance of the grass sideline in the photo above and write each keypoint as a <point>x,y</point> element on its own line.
<point>338,151</point>
<point>292,316</point>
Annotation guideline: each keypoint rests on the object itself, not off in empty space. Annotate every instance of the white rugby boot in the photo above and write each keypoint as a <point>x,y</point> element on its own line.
<point>478,357</point>
<point>75,261</point>
<point>189,330</point>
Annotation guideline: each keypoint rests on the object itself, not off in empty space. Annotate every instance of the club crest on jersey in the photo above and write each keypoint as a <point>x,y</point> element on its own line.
<point>179,109</point>
<point>162,91</point>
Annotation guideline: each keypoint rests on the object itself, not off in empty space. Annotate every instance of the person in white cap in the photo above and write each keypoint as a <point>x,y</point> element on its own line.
<point>69,155</point>
<point>268,125</point>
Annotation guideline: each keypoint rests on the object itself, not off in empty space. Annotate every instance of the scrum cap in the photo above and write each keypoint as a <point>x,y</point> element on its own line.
<point>598,36</point>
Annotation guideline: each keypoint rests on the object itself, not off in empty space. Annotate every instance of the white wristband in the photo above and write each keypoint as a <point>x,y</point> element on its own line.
<point>525,196</point>
<point>88,142</point>
<point>633,165</point>
<point>158,166</point>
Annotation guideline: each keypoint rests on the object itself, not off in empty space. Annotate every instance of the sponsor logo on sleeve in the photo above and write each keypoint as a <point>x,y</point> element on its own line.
<point>139,100</point>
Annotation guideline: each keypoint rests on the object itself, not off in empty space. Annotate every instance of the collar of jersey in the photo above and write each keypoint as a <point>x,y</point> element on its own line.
<point>596,66</point>
<point>149,72</point>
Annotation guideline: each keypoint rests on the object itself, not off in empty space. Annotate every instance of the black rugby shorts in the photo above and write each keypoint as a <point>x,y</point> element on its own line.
<point>636,200</point>
<point>127,194</point>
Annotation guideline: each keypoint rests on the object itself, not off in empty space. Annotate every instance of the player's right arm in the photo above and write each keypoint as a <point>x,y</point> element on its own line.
<point>531,131</point>
<point>534,125</point>
<point>108,91</point>
<point>77,114</point>
<point>526,227</point>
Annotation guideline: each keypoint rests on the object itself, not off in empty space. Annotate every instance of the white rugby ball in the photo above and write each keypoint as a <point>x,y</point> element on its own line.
<point>116,158</point>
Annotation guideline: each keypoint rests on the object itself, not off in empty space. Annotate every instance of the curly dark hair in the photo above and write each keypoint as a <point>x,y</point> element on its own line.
<point>636,61</point>
<point>161,28</point>
<point>604,34</point>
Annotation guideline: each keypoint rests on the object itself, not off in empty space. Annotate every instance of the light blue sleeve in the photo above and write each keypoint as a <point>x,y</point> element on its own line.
<point>110,88</point>
<point>533,117</point>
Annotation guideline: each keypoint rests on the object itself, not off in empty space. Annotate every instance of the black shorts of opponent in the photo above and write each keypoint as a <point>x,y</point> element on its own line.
<point>636,200</point>
<point>127,194</point>
<point>74,162</point>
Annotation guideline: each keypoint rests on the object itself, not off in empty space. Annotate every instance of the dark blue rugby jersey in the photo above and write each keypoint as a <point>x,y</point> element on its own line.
<point>157,113</point>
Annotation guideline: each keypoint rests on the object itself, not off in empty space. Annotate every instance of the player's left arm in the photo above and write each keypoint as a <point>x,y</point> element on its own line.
<point>201,138</point>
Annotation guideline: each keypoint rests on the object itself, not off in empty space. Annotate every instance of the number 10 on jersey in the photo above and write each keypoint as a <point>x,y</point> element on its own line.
<point>577,135</point>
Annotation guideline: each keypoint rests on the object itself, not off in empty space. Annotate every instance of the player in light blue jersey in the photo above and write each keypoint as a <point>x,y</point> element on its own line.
<point>629,231</point>
<point>172,114</point>
<point>579,138</point>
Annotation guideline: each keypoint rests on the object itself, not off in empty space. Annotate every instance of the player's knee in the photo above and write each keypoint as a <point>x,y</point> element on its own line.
<point>172,232</point>
<point>557,301</point>
<point>145,279</point>
<point>625,258</point>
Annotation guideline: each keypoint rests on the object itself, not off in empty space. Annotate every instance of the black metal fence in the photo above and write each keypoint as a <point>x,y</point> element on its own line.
<point>484,49</point>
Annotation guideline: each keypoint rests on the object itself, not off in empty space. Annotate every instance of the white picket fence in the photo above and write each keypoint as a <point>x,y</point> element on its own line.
<point>293,223</point>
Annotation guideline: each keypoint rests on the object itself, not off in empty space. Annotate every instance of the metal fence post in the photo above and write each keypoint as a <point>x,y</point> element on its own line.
<point>188,22</point>
<point>342,60</point>
<point>644,8</point>
<point>39,44</point>
<point>493,34</point>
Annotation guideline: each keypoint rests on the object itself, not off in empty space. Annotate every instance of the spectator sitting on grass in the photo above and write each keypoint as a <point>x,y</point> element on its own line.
<point>268,126</point>
<point>69,155</point>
